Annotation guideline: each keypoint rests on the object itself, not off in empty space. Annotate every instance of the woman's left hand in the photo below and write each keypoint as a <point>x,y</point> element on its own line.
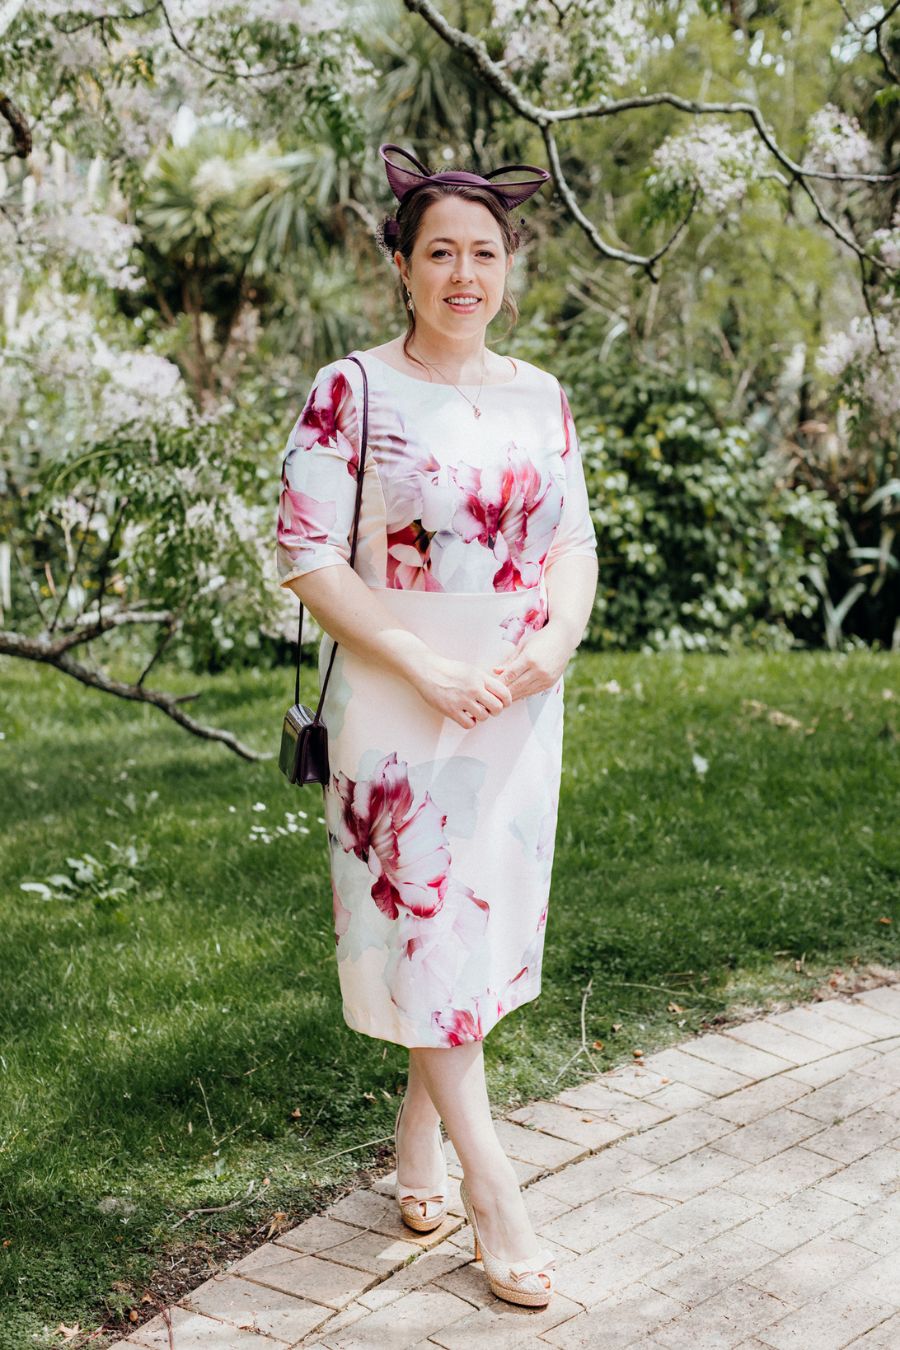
<point>537,661</point>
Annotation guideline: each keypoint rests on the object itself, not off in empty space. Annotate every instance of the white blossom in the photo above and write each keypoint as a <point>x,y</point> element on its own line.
<point>837,144</point>
<point>576,46</point>
<point>711,158</point>
<point>886,242</point>
<point>868,377</point>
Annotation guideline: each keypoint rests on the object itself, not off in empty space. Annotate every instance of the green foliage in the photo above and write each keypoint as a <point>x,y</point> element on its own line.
<point>703,543</point>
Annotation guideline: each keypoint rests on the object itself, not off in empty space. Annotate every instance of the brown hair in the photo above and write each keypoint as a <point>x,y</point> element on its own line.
<point>409,222</point>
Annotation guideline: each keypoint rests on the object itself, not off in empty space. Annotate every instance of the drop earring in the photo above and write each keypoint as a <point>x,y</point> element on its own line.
<point>409,303</point>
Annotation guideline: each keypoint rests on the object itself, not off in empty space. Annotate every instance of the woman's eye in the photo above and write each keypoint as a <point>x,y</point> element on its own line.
<point>485,252</point>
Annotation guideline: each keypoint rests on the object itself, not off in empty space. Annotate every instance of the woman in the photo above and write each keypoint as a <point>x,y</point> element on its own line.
<point>473,581</point>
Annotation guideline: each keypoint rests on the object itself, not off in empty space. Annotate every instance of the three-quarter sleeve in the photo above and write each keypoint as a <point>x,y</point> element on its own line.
<point>576,532</point>
<point>319,474</point>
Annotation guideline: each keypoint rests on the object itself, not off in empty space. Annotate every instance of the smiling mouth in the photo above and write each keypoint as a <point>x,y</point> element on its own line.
<point>463,304</point>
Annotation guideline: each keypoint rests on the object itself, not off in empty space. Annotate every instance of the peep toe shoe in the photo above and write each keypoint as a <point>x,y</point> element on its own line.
<point>529,1282</point>
<point>422,1208</point>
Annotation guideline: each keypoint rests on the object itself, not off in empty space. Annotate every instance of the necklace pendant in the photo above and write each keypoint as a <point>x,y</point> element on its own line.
<point>477,411</point>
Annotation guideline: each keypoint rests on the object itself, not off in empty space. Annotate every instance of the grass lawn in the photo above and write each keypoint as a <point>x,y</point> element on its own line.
<point>171,1035</point>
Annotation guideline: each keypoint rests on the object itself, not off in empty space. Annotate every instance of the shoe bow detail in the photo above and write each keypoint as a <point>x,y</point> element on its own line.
<point>420,1196</point>
<point>527,1269</point>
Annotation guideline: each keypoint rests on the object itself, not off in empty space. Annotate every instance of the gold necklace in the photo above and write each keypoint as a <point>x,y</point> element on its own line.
<point>475,408</point>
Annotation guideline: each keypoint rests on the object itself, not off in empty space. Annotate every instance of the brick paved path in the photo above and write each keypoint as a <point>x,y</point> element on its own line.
<point>739,1190</point>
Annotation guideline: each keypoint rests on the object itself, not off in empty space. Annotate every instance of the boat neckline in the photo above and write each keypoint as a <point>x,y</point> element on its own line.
<point>440,384</point>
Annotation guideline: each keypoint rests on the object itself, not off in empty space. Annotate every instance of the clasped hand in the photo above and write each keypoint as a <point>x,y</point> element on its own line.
<point>463,692</point>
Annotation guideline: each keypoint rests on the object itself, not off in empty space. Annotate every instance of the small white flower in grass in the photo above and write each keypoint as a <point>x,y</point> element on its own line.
<point>304,829</point>
<point>700,764</point>
<point>232,808</point>
<point>259,806</point>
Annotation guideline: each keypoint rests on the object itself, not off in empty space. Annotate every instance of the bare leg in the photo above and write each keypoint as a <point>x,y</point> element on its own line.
<point>455,1082</point>
<point>417,1140</point>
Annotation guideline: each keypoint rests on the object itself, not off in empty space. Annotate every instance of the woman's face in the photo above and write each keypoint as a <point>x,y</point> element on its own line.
<point>458,252</point>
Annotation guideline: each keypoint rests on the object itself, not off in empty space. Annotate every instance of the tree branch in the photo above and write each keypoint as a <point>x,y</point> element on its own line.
<point>56,653</point>
<point>544,118</point>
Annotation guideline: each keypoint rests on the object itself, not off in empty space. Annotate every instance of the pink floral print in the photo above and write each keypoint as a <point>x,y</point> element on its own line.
<point>441,839</point>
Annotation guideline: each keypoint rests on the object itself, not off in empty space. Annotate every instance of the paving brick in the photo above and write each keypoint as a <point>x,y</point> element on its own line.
<point>878,1279</point>
<point>826,1323</point>
<point>699,1219</point>
<point>467,1281</point>
<point>710,1268</point>
<point>501,1325</point>
<point>770,1134</point>
<point>860,1015</point>
<point>722,1321</point>
<point>682,1134</point>
<point>405,1322</point>
<point>833,1066</point>
<point>877,1227</point>
<point>675,1097</point>
<point>339,1322</point>
<point>835,1035</point>
<point>886,1067</point>
<point>688,1175</point>
<point>368,1209</point>
<point>376,1253</point>
<point>862,1133</point>
<point>543,1208</point>
<point>632,1113</point>
<point>886,1336</point>
<point>749,1103</point>
<point>623,1320</point>
<point>886,999</point>
<point>525,1171</point>
<point>594,1176</point>
<point>317,1235</point>
<point>637,1079</point>
<point>740,1191</point>
<point>697,1073</point>
<point>596,1222</point>
<point>729,1053</point>
<point>777,1040</point>
<point>611,1268</point>
<point>800,1275</point>
<point>193,1331</point>
<point>867,1181</point>
<point>884,1047</point>
<point>802,1216</point>
<point>254,1308</point>
<point>305,1276</point>
<point>578,1126</point>
<point>533,1146</point>
<point>431,1266</point>
<point>843,1097</point>
<point>778,1177</point>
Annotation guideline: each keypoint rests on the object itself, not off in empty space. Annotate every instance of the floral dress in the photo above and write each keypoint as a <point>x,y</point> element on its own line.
<point>441,837</point>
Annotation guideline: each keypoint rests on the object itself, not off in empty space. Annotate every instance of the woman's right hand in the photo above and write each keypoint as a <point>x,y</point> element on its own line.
<point>460,690</point>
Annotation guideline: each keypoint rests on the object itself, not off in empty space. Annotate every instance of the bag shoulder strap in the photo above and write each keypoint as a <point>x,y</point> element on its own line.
<point>364,440</point>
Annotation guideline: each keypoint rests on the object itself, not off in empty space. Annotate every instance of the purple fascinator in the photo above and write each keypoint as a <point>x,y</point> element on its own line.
<point>404,181</point>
